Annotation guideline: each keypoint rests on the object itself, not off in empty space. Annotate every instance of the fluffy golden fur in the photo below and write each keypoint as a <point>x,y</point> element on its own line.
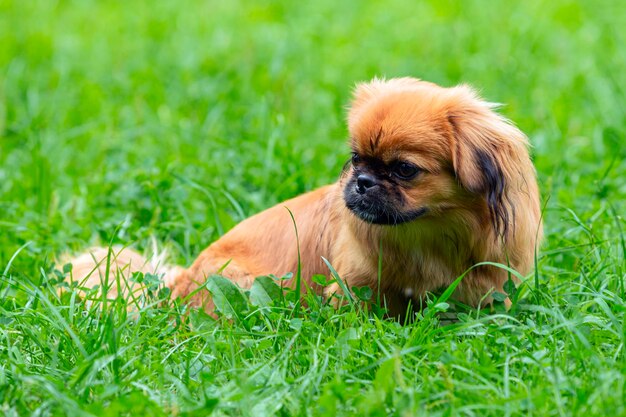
<point>438,180</point>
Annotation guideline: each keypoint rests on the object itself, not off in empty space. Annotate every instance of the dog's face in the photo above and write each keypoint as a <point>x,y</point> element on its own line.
<point>380,190</point>
<point>420,150</point>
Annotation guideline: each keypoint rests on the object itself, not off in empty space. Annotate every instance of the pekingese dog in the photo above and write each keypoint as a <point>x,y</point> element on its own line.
<point>437,183</point>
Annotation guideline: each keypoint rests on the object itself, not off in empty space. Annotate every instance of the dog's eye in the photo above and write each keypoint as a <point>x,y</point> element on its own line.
<point>405,170</point>
<point>355,158</point>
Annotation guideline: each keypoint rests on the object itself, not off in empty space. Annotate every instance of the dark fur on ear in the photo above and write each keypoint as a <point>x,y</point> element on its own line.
<point>494,187</point>
<point>486,150</point>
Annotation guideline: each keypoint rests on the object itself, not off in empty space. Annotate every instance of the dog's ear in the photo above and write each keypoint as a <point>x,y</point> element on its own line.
<point>487,153</point>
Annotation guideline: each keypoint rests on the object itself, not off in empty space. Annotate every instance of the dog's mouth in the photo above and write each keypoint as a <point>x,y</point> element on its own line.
<point>376,214</point>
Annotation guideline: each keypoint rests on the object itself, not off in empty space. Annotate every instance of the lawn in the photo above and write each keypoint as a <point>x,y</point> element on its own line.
<point>133,122</point>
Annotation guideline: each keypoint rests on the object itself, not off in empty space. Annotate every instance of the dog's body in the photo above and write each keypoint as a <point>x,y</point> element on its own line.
<point>438,183</point>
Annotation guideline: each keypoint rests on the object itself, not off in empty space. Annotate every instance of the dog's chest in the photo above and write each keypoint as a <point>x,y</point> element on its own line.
<point>422,267</point>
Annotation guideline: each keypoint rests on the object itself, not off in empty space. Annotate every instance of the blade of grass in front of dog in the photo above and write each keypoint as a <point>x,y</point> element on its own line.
<point>111,257</point>
<point>104,289</point>
<point>380,270</point>
<point>536,254</point>
<point>450,290</point>
<point>299,268</point>
<point>340,282</point>
<point>536,259</point>
<point>223,267</point>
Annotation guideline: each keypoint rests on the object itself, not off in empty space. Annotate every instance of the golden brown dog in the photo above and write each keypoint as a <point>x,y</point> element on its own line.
<point>438,181</point>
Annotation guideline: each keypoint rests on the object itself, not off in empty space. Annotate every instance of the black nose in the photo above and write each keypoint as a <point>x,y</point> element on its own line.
<point>364,181</point>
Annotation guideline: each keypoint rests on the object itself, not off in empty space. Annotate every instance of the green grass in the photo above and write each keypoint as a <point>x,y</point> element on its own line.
<point>126,121</point>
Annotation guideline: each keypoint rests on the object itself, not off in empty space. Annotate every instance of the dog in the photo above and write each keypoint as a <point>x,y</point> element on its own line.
<point>438,182</point>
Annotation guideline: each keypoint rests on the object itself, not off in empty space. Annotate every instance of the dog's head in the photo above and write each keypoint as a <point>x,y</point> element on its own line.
<point>420,150</point>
